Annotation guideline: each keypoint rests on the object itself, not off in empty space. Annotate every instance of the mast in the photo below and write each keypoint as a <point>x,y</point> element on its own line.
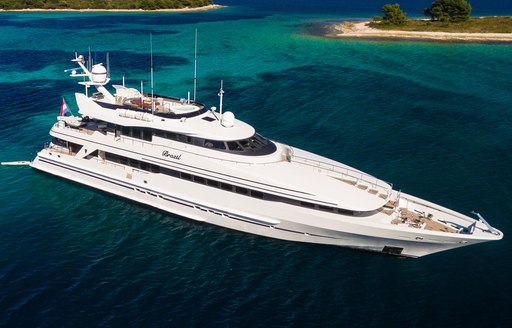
<point>152,94</point>
<point>195,66</point>
<point>142,94</point>
<point>99,78</point>
<point>89,63</point>
<point>221,94</point>
<point>108,65</point>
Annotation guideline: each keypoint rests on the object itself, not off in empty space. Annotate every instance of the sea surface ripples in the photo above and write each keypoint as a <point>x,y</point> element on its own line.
<point>433,118</point>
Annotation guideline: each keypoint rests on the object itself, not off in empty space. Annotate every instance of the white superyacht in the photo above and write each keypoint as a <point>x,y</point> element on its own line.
<point>204,164</point>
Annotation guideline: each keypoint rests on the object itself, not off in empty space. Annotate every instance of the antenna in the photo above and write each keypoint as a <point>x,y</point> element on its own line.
<point>142,94</point>
<point>108,65</point>
<point>151,51</point>
<point>195,66</point>
<point>221,94</point>
<point>89,64</point>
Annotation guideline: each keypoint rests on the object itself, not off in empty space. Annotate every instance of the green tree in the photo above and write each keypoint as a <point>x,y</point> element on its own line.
<point>393,14</point>
<point>449,10</point>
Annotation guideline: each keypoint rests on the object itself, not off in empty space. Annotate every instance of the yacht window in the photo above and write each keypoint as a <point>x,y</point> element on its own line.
<point>219,144</point>
<point>257,194</point>
<point>136,133</point>
<point>111,127</point>
<point>306,204</point>
<point>233,145</point>
<point>325,208</point>
<point>59,142</point>
<point>186,176</point>
<point>255,145</point>
<point>160,133</point>
<point>170,172</point>
<point>180,137</point>
<point>133,162</point>
<point>246,145</point>
<point>215,144</point>
<point>172,136</point>
<point>241,190</point>
<point>198,142</point>
<point>199,180</point>
<point>154,168</point>
<point>126,131</point>
<point>112,157</point>
<point>147,134</point>
<point>346,212</point>
<point>144,166</point>
<point>213,183</point>
<point>226,186</point>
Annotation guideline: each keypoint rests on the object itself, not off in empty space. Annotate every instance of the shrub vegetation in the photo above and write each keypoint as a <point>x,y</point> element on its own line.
<point>102,4</point>
<point>446,16</point>
<point>393,15</point>
<point>449,10</point>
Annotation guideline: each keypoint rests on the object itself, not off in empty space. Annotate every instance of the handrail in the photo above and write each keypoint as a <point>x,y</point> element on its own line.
<point>344,171</point>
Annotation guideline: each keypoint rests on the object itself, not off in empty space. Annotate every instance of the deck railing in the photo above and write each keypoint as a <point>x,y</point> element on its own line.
<point>345,173</point>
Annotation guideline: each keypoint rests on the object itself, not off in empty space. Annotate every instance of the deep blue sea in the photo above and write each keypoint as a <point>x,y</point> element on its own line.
<point>433,118</point>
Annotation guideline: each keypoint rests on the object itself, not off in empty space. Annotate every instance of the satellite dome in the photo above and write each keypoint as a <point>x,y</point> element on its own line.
<point>228,119</point>
<point>99,73</point>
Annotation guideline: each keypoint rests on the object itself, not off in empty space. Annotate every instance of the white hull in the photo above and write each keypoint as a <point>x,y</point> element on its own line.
<point>345,234</point>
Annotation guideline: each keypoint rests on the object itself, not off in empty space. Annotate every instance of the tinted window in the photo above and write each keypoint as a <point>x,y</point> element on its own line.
<point>241,190</point>
<point>233,145</point>
<point>225,186</point>
<point>186,176</point>
<point>199,180</point>
<point>256,194</point>
<point>213,183</point>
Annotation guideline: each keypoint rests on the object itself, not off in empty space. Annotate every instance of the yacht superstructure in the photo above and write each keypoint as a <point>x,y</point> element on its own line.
<point>177,155</point>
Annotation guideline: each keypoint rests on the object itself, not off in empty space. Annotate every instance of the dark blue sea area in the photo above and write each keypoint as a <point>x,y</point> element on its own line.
<point>435,119</point>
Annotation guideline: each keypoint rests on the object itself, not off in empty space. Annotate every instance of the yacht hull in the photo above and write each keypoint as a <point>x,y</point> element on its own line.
<point>176,155</point>
<point>292,228</point>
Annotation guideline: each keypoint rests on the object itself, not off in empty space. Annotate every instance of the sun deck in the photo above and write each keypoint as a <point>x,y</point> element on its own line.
<point>171,107</point>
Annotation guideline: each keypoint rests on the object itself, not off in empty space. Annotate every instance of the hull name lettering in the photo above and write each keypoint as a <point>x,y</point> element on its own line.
<point>166,153</point>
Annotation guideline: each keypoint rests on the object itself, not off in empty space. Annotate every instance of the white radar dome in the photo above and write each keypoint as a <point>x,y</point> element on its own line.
<point>99,74</point>
<point>228,119</point>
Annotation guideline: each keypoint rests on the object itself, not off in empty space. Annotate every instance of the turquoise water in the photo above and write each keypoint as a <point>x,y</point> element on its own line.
<point>433,118</point>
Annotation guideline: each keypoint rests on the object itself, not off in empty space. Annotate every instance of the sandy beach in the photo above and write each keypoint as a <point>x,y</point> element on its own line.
<point>186,9</point>
<point>362,30</point>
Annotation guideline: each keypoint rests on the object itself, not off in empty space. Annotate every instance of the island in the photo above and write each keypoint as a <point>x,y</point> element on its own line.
<point>107,5</point>
<point>449,20</point>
